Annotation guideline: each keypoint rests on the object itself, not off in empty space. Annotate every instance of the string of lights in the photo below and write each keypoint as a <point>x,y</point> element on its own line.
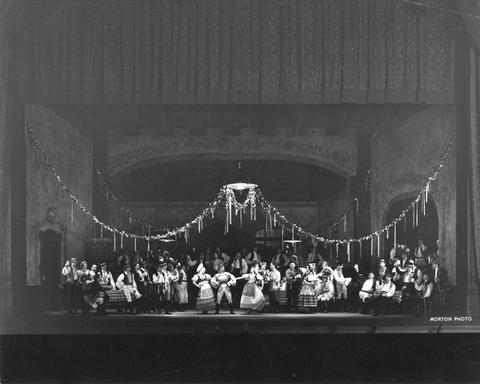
<point>254,197</point>
<point>447,10</point>
<point>355,202</point>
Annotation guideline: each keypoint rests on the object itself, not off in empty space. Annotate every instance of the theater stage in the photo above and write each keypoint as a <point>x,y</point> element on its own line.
<point>192,322</point>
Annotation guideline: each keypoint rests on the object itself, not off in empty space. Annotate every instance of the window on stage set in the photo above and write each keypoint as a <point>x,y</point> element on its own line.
<point>269,238</point>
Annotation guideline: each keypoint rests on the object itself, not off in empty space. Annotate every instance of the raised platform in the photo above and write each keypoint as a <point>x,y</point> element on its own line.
<point>193,322</point>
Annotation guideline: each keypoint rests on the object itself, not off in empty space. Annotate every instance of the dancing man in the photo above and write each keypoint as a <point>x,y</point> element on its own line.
<point>223,281</point>
<point>126,283</point>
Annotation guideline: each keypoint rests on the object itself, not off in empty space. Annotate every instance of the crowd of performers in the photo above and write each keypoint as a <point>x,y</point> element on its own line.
<point>405,284</point>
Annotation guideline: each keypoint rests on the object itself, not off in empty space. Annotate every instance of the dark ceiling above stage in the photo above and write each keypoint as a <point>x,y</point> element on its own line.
<point>197,119</point>
<point>202,180</point>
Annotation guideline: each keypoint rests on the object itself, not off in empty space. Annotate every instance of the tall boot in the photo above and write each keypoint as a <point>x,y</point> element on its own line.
<point>231,308</point>
<point>217,308</point>
<point>325,305</point>
<point>167,312</point>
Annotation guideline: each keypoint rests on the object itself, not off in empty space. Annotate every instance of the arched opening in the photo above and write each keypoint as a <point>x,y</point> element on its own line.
<point>200,180</point>
<point>50,269</point>
<point>407,229</point>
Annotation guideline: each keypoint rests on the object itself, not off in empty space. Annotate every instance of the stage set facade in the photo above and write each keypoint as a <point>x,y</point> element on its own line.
<point>122,120</point>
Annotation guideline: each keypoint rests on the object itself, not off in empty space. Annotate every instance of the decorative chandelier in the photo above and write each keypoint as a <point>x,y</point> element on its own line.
<point>241,186</point>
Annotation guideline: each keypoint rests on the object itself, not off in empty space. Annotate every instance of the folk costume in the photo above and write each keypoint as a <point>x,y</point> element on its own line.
<point>71,274</point>
<point>205,298</point>
<point>292,286</point>
<point>273,278</point>
<point>105,277</point>
<point>420,254</point>
<point>307,298</point>
<point>252,297</point>
<point>161,280</point>
<point>440,287</point>
<point>126,283</point>
<point>341,282</point>
<point>180,295</point>
<point>386,290</point>
<point>85,280</point>
<point>223,281</point>
<point>324,291</point>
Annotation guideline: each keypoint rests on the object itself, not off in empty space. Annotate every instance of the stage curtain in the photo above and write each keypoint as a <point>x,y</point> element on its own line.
<point>470,10</point>
<point>234,51</point>
<point>6,12</point>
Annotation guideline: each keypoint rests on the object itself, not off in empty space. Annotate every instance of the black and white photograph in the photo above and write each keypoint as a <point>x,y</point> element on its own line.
<point>239,190</point>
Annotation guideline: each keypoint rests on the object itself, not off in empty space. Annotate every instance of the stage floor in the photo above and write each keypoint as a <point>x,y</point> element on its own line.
<point>193,322</point>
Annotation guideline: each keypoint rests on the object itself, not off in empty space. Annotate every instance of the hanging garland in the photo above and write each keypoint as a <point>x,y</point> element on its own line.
<point>123,207</point>
<point>254,197</point>
<point>355,202</point>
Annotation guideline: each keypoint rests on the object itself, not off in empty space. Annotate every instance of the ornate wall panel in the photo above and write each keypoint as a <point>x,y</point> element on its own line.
<point>402,161</point>
<point>70,153</point>
<point>337,153</point>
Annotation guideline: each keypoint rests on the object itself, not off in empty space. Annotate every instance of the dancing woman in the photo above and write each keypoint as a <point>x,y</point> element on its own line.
<point>252,297</point>
<point>205,298</point>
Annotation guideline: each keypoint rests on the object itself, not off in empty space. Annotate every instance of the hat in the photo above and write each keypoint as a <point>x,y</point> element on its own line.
<point>339,263</point>
<point>166,253</point>
<point>73,259</point>
<point>161,265</point>
<point>382,261</point>
<point>410,262</point>
<point>388,275</point>
<point>126,266</point>
<point>103,265</point>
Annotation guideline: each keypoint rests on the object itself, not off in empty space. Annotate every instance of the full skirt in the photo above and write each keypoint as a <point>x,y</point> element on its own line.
<point>307,297</point>
<point>205,298</point>
<point>180,295</point>
<point>252,297</point>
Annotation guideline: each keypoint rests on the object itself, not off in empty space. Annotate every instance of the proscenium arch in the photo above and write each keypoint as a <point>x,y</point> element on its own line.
<point>429,234</point>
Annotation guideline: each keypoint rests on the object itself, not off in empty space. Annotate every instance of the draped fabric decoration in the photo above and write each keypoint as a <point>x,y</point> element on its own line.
<point>234,51</point>
<point>5,151</point>
<point>473,303</point>
<point>472,8</point>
